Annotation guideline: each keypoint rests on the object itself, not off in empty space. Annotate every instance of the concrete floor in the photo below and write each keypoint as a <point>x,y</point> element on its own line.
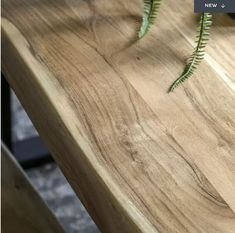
<point>50,182</point>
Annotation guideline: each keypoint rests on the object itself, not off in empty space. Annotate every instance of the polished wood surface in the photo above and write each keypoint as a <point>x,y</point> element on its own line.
<point>22,209</point>
<point>140,159</point>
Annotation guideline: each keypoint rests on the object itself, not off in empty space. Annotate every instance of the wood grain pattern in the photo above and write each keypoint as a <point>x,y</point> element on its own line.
<point>22,209</point>
<point>218,52</point>
<point>140,159</point>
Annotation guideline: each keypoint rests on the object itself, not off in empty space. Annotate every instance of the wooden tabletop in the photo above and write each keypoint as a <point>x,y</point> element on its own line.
<point>140,159</point>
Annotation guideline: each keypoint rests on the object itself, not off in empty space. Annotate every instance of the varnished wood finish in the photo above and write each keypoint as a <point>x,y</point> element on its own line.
<point>22,209</point>
<point>140,159</point>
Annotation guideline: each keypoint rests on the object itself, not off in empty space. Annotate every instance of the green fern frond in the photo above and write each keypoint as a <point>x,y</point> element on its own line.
<point>150,12</point>
<point>199,52</point>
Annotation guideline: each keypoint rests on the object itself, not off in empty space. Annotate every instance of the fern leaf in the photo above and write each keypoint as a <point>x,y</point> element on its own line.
<point>199,51</point>
<point>150,12</point>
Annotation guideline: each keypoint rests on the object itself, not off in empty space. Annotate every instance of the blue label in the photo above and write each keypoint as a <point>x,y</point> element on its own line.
<point>219,6</point>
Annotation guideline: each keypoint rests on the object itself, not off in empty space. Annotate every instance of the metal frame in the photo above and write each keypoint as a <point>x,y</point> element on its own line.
<point>30,152</point>
<point>6,113</point>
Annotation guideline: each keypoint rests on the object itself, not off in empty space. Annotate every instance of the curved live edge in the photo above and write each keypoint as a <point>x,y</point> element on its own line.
<point>141,160</point>
<point>55,98</point>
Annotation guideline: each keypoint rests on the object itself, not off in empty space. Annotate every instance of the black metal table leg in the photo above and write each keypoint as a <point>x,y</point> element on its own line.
<point>29,152</point>
<point>6,113</point>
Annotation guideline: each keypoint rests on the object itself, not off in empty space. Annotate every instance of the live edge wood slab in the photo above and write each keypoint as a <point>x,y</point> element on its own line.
<point>141,160</point>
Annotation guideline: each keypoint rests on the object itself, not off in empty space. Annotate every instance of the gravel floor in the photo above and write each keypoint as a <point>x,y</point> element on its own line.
<point>50,182</point>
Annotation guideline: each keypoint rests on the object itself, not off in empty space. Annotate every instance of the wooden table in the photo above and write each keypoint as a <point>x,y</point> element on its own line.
<point>141,160</point>
<point>22,208</point>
